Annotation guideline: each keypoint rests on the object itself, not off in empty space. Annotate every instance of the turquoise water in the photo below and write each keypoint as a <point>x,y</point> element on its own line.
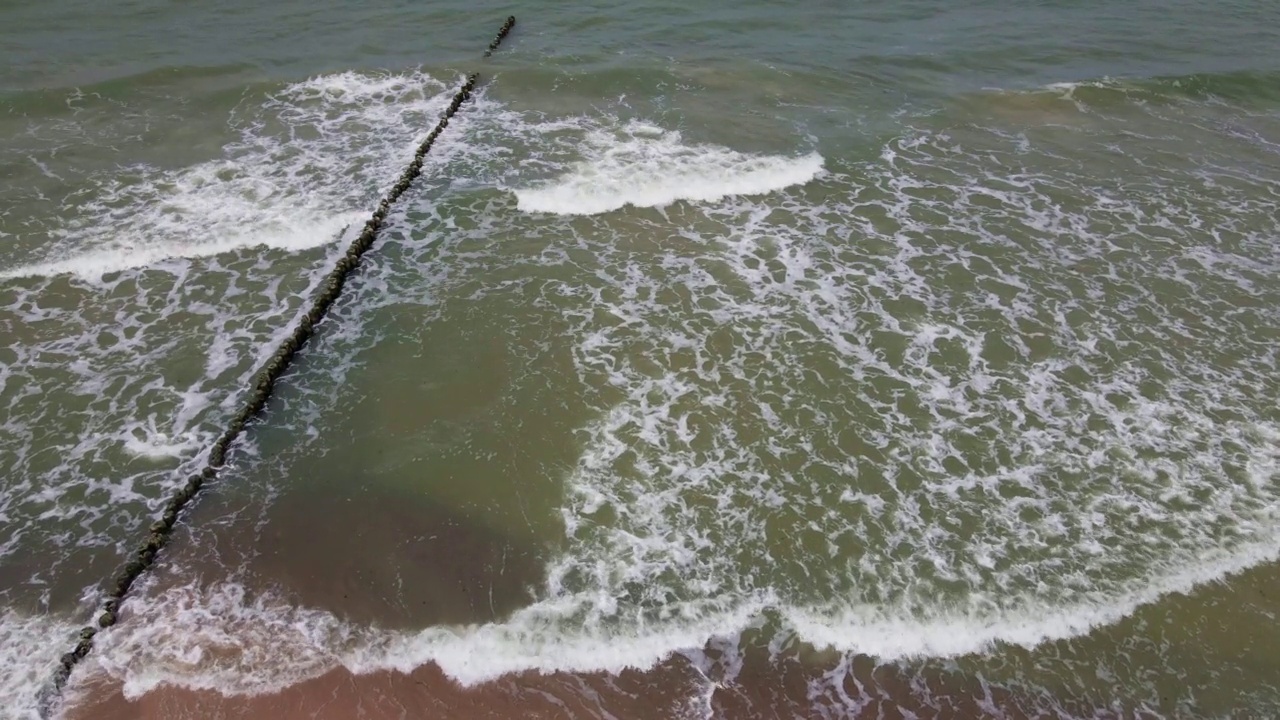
<point>940,334</point>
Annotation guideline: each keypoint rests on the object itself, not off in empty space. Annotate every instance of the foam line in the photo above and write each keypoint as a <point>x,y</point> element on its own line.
<point>650,167</point>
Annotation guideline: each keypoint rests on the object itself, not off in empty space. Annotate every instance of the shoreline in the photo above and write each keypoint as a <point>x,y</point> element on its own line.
<point>762,675</point>
<point>676,688</point>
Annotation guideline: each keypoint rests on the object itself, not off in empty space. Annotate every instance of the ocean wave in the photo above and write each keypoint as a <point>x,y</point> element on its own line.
<point>225,639</point>
<point>645,166</point>
<point>310,160</point>
<point>30,646</point>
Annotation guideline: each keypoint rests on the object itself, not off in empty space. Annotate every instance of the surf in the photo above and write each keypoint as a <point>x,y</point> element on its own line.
<point>642,165</point>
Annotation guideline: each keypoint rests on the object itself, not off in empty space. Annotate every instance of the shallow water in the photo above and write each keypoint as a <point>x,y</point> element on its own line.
<point>819,361</point>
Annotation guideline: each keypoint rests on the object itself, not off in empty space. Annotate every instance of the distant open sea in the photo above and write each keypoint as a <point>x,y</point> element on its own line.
<point>911,359</point>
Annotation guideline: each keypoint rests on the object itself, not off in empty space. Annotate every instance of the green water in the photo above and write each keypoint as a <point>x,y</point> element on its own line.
<point>940,333</point>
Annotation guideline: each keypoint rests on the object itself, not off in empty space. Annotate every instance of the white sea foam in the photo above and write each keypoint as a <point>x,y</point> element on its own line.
<point>915,404</point>
<point>232,224</point>
<point>151,364</point>
<point>1089,495</point>
<point>111,390</point>
<point>869,631</point>
<point>292,187</point>
<point>669,461</point>
<point>30,646</point>
<point>147,441</point>
<point>309,160</point>
<point>645,166</point>
<point>216,639</point>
